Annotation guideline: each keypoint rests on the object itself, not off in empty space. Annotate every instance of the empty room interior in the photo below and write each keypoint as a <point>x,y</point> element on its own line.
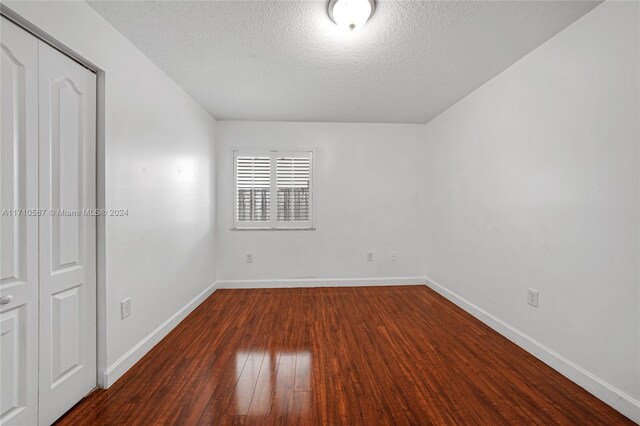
<point>321,212</point>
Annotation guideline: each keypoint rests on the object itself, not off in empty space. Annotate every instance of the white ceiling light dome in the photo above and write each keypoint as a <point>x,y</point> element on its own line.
<point>350,14</point>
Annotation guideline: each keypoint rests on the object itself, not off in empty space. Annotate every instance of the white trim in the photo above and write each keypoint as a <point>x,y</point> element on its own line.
<point>609,394</point>
<point>101,286</point>
<point>321,282</point>
<point>133,355</point>
<point>272,229</point>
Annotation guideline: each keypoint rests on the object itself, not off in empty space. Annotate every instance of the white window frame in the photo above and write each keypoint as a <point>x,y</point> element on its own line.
<point>273,224</point>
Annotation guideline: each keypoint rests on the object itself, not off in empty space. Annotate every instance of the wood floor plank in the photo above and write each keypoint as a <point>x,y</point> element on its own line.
<point>339,356</point>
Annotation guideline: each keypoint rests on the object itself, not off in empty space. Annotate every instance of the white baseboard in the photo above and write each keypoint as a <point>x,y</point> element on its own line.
<point>126,361</point>
<point>322,282</point>
<point>612,396</point>
<point>616,398</point>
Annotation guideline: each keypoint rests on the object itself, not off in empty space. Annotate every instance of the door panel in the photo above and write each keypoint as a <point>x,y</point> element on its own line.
<point>18,231</point>
<point>66,179</point>
<point>66,339</point>
<point>67,237</point>
<point>12,338</point>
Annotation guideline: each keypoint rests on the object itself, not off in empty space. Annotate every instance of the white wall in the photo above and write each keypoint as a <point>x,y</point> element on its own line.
<point>159,166</point>
<point>533,182</point>
<point>366,199</point>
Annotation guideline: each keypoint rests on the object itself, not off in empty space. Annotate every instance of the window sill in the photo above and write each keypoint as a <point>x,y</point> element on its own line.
<point>274,229</point>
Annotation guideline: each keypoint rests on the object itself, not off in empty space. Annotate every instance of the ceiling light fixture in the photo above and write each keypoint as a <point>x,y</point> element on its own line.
<point>350,14</point>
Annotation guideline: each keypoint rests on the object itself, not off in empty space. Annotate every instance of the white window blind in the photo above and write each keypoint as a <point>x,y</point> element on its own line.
<point>253,177</point>
<point>293,185</point>
<point>280,179</point>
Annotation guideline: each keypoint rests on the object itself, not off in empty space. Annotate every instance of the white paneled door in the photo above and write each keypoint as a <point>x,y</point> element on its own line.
<point>48,252</point>
<point>18,232</point>
<point>67,111</point>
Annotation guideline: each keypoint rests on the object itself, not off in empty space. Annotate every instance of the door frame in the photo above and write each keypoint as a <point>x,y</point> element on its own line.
<point>101,279</point>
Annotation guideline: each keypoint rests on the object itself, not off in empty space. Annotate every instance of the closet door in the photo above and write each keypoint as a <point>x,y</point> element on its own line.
<point>67,116</point>
<point>18,231</point>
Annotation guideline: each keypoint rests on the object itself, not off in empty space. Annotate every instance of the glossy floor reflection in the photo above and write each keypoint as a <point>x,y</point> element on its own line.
<point>266,382</point>
<point>338,356</point>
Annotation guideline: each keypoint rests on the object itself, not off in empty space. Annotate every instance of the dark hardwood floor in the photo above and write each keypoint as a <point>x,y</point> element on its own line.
<point>338,356</point>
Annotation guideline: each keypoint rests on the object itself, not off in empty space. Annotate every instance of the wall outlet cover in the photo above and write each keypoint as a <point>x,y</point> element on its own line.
<point>532,297</point>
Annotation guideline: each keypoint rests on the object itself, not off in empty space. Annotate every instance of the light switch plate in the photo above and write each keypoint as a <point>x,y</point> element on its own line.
<point>125,308</point>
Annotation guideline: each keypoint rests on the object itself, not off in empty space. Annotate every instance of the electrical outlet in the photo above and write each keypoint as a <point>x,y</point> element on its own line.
<point>532,297</point>
<point>248,258</point>
<point>394,256</point>
<point>125,307</point>
<point>370,256</point>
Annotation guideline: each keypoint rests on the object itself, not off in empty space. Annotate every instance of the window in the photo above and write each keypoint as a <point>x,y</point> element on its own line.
<point>267,179</point>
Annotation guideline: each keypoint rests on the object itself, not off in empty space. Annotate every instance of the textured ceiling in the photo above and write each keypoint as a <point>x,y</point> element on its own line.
<point>286,61</point>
